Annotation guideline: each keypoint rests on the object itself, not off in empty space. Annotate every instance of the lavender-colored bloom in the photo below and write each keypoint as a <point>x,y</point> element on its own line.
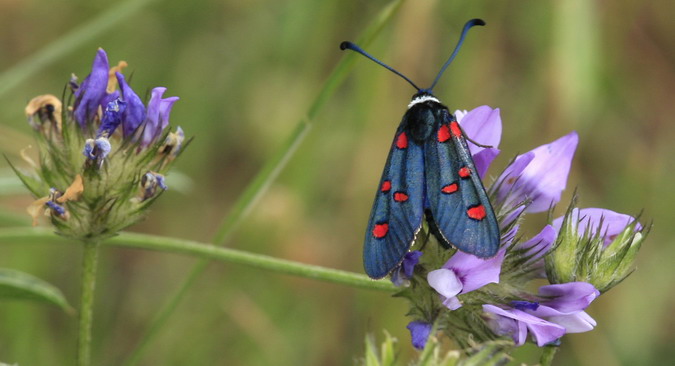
<point>535,249</point>
<point>405,271</point>
<point>89,94</point>
<point>589,219</point>
<point>543,179</point>
<point>112,117</point>
<point>135,112</point>
<point>150,181</point>
<point>516,324</point>
<point>410,260</point>
<point>97,150</point>
<point>419,333</point>
<point>58,209</point>
<point>564,305</point>
<point>464,273</point>
<point>483,125</point>
<point>157,117</point>
<point>161,181</point>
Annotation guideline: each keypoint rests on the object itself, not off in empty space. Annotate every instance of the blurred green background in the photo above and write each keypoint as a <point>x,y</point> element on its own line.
<point>247,72</point>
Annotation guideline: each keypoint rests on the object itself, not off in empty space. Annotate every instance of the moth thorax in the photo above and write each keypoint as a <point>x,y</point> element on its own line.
<point>422,99</point>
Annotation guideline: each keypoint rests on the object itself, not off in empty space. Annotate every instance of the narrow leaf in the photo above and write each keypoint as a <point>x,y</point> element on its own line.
<point>18,285</point>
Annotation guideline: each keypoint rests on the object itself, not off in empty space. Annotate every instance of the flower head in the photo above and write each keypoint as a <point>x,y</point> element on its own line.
<point>123,162</point>
<point>594,245</point>
<point>455,295</point>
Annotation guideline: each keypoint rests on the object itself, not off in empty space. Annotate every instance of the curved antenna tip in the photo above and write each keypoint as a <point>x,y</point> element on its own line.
<point>476,21</point>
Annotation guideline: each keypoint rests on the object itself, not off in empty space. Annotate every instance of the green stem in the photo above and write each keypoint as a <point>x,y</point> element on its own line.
<point>547,355</point>
<point>208,252</point>
<point>89,265</point>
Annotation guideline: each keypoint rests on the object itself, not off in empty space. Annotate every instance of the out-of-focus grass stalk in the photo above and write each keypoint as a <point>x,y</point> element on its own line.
<point>66,44</point>
<point>269,172</point>
<point>575,59</point>
<point>211,252</point>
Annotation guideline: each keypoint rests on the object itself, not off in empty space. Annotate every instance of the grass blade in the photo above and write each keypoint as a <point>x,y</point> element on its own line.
<point>61,47</point>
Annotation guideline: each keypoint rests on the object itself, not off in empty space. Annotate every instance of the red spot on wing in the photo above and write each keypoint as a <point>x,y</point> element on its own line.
<point>476,212</point>
<point>454,128</point>
<point>386,186</point>
<point>443,133</point>
<point>402,141</point>
<point>450,188</point>
<point>380,230</point>
<point>400,197</point>
<point>464,172</point>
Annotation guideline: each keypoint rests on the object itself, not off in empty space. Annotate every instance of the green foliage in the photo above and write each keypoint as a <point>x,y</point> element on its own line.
<point>16,285</point>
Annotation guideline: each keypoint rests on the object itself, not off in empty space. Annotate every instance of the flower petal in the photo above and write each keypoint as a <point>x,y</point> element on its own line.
<point>543,331</point>
<point>452,303</point>
<point>135,112</point>
<point>578,322</point>
<point>483,159</point>
<point>410,260</point>
<point>544,179</point>
<point>537,247</point>
<point>475,272</point>
<point>445,282</point>
<point>157,116</point>
<point>92,90</point>
<point>569,297</point>
<point>483,125</point>
<point>419,333</point>
<point>613,223</point>
<point>506,182</point>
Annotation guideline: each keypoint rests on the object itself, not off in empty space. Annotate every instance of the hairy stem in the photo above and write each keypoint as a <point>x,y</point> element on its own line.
<point>89,264</point>
<point>548,355</point>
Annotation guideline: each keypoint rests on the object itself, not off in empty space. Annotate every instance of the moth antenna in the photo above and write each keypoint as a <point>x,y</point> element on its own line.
<point>467,26</point>
<point>349,45</point>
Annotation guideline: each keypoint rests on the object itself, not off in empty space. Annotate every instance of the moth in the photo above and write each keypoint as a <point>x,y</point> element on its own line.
<point>429,174</point>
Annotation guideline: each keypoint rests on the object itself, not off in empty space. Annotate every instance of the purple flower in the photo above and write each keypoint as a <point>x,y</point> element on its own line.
<point>56,208</point>
<point>150,181</point>
<point>589,219</point>
<point>563,304</point>
<point>135,112</point>
<point>517,323</point>
<point>483,125</point>
<point>405,271</point>
<point>535,249</point>
<point>464,273</point>
<point>157,117</point>
<point>97,150</point>
<point>539,175</point>
<point>419,333</point>
<point>90,93</point>
<point>112,117</point>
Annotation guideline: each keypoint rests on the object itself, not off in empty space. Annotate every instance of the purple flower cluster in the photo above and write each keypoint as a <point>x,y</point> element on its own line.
<point>126,153</point>
<point>122,107</point>
<point>532,183</point>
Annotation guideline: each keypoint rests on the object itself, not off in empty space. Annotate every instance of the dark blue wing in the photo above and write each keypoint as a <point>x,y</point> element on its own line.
<point>459,206</point>
<point>398,208</point>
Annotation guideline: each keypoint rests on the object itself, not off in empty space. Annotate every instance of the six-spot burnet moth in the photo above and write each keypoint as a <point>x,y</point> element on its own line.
<point>429,172</point>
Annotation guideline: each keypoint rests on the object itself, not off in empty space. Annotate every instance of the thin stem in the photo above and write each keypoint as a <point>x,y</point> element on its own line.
<point>89,265</point>
<point>547,355</point>
<point>207,251</point>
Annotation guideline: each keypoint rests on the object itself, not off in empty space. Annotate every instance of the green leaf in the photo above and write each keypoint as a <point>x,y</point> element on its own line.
<point>18,285</point>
